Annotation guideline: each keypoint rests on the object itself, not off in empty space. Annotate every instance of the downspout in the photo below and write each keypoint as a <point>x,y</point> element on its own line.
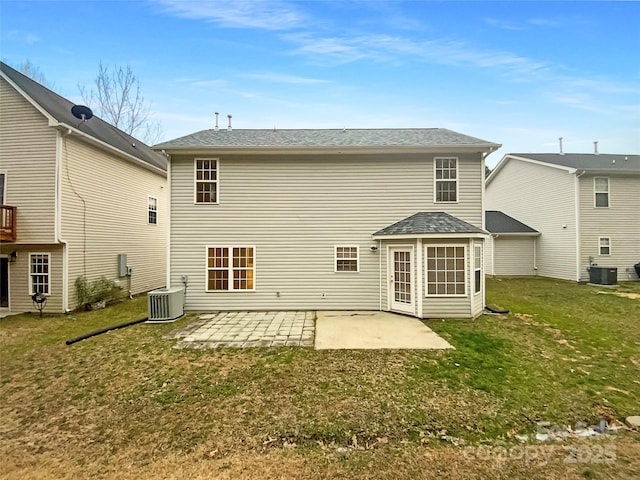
<point>577,221</point>
<point>535,257</point>
<point>168,220</point>
<point>58,221</point>
<point>493,254</point>
<point>380,272</point>
<point>419,283</point>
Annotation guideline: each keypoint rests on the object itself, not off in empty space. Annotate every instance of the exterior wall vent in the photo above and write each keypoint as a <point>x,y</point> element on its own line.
<point>166,304</point>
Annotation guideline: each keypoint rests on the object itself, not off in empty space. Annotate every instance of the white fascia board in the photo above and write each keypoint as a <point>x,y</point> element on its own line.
<point>430,236</point>
<point>91,139</point>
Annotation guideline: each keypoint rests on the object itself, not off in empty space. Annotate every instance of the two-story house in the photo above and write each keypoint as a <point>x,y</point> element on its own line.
<point>586,208</point>
<point>379,219</point>
<point>77,195</point>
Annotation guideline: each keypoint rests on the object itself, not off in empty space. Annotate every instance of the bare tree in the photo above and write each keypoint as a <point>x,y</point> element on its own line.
<point>118,100</point>
<point>33,72</point>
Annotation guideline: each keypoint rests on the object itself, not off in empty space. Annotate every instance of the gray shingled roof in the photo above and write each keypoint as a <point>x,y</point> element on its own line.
<point>587,161</point>
<point>499,222</point>
<point>60,109</point>
<point>423,223</point>
<point>348,138</point>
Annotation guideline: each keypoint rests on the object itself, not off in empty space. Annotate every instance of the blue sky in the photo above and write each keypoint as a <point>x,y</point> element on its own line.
<point>517,73</point>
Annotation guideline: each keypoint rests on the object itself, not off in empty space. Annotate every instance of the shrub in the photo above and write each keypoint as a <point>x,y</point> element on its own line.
<point>102,289</point>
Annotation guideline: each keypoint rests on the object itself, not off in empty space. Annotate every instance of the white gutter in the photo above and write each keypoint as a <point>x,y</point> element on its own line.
<point>413,236</point>
<point>311,150</point>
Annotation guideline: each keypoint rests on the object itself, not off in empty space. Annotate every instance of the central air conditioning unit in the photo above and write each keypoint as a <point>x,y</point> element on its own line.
<point>603,275</point>
<point>165,304</point>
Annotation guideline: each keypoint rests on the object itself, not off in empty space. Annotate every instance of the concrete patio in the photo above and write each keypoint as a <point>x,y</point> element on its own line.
<point>323,330</point>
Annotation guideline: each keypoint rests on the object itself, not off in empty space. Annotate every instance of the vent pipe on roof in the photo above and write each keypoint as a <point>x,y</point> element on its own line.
<point>217,113</point>
<point>560,140</point>
<point>595,148</point>
<point>229,127</point>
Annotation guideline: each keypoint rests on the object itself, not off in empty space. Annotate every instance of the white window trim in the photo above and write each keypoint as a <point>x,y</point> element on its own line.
<point>31,254</point>
<point>477,268</point>
<point>600,254</point>
<point>216,181</point>
<point>149,209</point>
<point>436,180</point>
<point>466,271</point>
<point>335,259</point>
<point>230,268</point>
<point>608,192</point>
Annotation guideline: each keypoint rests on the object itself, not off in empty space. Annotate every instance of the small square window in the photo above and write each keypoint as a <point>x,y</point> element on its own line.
<point>604,245</point>
<point>346,259</point>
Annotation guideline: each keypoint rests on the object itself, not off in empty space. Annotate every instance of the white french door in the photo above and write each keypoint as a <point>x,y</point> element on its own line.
<point>401,284</point>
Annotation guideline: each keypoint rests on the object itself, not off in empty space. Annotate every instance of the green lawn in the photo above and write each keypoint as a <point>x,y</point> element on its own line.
<point>127,405</point>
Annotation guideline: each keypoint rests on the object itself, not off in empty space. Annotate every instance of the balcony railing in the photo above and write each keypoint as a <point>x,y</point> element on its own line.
<point>7,223</point>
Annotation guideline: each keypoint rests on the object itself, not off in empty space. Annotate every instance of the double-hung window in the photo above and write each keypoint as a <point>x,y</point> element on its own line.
<point>604,245</point>
<point>152,209</point>
<point>445,270</point>
<point>446,180</point>
<point>477,264</point>
<point>206,180</point>
<point>39,273</point>
<point>346,259</point>
<point>230,268</point>
<point>601,192</point>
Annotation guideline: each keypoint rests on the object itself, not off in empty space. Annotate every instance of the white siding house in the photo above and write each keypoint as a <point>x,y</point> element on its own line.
<point>73,196</point>
<point>511,248</point>
<point>302,219</point>
<point>586,208</point>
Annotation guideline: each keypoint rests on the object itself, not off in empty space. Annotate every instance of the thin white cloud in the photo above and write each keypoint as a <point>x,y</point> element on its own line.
<point>503,24</point>
<point>261,14</point>
<point>22,36</point>
<point>273,77</point>
<point>394,49</point>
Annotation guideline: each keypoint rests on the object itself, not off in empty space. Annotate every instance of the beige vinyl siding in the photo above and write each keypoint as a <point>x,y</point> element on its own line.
<point>28,157</point>
<point>543,198</point>
<point>19,279</point>
<point>620,222</point>
<point>294,211</point>
<point>489,248</point>
<point>113,218</point>
<point>514,256</point>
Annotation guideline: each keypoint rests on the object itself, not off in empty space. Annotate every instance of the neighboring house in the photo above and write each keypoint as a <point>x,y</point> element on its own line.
<point>511,249</point>
<point>328,219</point>
<point>585,206</point>
<point>74,195</point>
